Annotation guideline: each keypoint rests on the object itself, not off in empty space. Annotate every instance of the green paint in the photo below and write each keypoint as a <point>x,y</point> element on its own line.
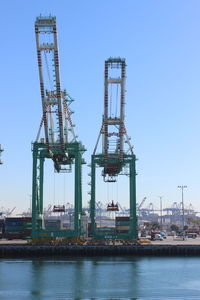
<point>129,161</point>
<point>40,152</point>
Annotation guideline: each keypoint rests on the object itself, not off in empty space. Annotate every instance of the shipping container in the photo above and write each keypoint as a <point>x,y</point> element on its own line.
<point>2,228</point>
<point>122,219</point>
<point>12,235</point>
<point>52,224</point>
<point>122,227</point>
<point>13,228</point>
<point>65,225</point>
<point>123,231</point>
<point>13,223</point>
<point>105,229</point>
<point>84,225</point>
<point>122,223</point>
<point>18,227</point>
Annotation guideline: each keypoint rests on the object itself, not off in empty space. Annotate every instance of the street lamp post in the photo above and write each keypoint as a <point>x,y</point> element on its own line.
<point>182,187</point>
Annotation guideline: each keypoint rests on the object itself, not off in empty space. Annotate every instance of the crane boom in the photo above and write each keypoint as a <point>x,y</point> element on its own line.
<point>55,102</point>
<point>142,202</point>
<point>52,98</point>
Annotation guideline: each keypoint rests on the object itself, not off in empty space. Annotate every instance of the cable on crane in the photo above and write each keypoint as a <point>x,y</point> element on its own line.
<point>110,100</point>
<point>48,71</point>
<point>54,188</point>
<point>64,189</point>
<point>117,191</point>
<point>116,102</point>
<point>108,193</point>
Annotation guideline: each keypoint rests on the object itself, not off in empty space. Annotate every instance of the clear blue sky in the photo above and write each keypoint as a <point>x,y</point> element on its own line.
<point>161,43</point>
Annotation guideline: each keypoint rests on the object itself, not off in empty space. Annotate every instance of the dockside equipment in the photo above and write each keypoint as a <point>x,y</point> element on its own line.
<point>114,159</point>
<point>60,143</point>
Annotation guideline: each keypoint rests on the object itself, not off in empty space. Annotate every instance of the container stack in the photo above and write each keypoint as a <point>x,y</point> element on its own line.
<point>106,230</point>
<point>84,226</point>
<point>2,227</point>
<point>27,227</point>
<point>18,228</point>
<point>52,224</point>
<point>122,224</point>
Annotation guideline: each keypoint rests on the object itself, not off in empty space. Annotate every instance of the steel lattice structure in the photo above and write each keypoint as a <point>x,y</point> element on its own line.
<point>60,143</point>
<point>114,158</point>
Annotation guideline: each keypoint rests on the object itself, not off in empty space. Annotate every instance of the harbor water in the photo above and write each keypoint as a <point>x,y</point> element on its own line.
<point>162,278</point>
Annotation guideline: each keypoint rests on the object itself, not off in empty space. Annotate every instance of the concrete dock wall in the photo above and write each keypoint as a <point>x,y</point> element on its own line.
<point>28,251</point>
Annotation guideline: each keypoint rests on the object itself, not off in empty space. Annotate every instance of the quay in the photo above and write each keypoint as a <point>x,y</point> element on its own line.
<point>32,251</point>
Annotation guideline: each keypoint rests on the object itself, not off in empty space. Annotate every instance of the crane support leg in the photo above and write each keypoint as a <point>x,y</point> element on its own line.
<point>129,161</point>
<point>40,152</point>
<point>93,196</point>
<point>34,191</point>
<point>78,196</point>
<point>133,216</point>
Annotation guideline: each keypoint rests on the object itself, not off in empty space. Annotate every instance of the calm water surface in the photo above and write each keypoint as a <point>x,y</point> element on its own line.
<point>100,278</point>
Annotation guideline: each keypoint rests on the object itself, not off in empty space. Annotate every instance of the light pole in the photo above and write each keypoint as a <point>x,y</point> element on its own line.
<point>1,150</point>
<point>182,187</point>
<point>161,212</point>
<point>30,200</point>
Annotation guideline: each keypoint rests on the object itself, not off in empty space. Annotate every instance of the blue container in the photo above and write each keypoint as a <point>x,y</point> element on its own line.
<point>13,223</point>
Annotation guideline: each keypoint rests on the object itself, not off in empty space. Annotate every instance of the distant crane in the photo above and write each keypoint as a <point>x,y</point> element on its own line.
<point>114,159</point>
<point>6,212</point>
<point>139,206</point>
<point>11,211</point>
<point>60,142</point>
<point>141,203</point>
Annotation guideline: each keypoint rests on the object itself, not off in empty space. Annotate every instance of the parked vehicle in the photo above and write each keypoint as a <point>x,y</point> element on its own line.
<point>158,237</point>
<point>155,235</point>
<point>143,233</point>
<point>192,235</point>
<point>163,234</point>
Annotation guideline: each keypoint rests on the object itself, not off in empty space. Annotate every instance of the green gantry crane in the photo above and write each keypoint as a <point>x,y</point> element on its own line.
<point>114,159</point>
<point>60,142</point>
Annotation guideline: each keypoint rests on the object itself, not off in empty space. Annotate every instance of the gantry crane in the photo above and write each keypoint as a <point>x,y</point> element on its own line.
<point>114,159</point>
<point>60,143</point>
